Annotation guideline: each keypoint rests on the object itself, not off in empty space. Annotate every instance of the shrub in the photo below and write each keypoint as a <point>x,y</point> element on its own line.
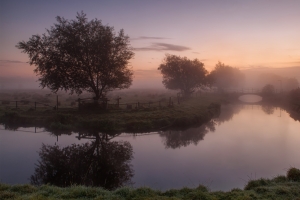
<point>293,174</point>
<point>268,90</point>
<point>280,179</point>
<point>257,183</point>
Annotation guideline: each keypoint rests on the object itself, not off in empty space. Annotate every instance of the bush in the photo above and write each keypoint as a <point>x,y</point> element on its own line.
<point>268,90</point>
<point>257,183</point>
<point>293,174</point>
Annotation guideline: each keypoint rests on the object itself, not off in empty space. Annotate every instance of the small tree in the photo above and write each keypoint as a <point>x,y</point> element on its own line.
<point>81,55</point>
<point>224,76</point>
<point>268,90</point>
<point>180,73</point>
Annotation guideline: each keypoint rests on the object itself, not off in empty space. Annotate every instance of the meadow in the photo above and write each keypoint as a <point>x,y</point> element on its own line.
<point>136,111</point>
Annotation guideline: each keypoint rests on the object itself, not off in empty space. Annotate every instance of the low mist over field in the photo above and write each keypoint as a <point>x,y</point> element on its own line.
<point>151,79</point>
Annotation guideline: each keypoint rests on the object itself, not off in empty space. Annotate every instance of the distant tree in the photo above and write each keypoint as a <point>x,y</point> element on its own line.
<point>294,95</point>
<point>180,73</point>
<point>224,76</point>
<point>281,83</point>
<point>268,89</point>
<point>81,55</point>
<point>290,84</point>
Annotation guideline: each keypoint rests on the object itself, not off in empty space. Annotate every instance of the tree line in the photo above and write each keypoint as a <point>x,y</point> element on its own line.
<point>80,55</point>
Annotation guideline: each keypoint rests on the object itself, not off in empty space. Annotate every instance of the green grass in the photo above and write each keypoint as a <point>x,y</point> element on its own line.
<point>188,113</point>
<point>280,187</point>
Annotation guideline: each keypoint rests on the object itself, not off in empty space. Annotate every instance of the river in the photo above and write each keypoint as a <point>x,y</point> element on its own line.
<point>245,142</point>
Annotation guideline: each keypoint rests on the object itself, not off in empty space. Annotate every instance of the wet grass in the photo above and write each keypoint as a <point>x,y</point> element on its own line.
<point>190,112</point>
<point>280,187</point>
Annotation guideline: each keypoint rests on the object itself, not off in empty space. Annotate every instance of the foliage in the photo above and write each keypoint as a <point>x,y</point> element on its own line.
<point>224,76</point>
<point>180,73</point>
<point>81,55</point>
<point>268,90</point>
<point>293,174</point>
<point>99,163</point>
<point>278,188</point>
<point>294,95</point>
<point>281,83</point>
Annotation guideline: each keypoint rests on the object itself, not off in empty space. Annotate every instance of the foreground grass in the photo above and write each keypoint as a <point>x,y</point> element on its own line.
<point>280,187</point>
<point>190,112</point>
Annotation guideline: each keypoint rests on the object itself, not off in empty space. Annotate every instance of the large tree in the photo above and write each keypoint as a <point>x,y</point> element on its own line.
<point>81,55</point>
<point>225,76</point>
<point>180,73</point>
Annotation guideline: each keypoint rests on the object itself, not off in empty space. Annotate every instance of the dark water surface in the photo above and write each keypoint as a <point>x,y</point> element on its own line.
<point>245,142</point>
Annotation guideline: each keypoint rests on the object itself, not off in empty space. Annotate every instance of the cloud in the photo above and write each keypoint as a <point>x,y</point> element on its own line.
<point>149,38</point>
<point>195,52</point>
<point>11,61</point>
<point>5,62</point>
<point>163,47</point>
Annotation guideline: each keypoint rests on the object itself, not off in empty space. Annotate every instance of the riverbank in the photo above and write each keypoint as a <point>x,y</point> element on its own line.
<point>191,112</point>
<point>281,187</point>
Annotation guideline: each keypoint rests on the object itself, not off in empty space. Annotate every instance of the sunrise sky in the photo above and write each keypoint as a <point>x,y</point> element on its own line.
<point>241,33</point>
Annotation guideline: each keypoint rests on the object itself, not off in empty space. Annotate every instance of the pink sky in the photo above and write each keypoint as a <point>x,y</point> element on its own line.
<point>249,33</point>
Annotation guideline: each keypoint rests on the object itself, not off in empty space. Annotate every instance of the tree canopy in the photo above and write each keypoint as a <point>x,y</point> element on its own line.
<point>80,55</point>
<point>224,76</point>
<point>268,90</point>
<point>180,73</point>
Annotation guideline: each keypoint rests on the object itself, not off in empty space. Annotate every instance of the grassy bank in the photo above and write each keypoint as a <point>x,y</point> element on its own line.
<point>281,187</point>
<point>188,113</point>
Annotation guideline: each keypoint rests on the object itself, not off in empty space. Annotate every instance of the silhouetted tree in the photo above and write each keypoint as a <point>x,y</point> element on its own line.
<point>180,73</point>
<point>290,84</point>
<point>224,76</point>
<point>268,90</point>
<point>281,83</point>
<point>99,163</point>
<point>81,55</point>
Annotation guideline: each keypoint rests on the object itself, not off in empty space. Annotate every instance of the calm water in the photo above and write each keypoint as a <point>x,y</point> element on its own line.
<point>245,142</point>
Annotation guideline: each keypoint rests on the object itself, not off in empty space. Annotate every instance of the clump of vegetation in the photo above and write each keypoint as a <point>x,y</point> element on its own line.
<point>268,90</point>
<point>293,174</point>
<point>279,188</point>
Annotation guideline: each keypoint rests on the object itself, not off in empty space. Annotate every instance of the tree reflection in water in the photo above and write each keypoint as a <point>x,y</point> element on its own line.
<point>100,162</point>
<point>176,139</point>
<point>268,109</point>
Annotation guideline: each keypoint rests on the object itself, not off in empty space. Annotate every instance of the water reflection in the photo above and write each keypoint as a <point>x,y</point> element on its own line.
<point>268,109</point>
<point>100,162</point>
<point>228,112</point>
<point>176,139</point>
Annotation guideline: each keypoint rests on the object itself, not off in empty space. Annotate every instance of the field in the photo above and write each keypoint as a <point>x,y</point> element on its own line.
<point>136,111</point>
